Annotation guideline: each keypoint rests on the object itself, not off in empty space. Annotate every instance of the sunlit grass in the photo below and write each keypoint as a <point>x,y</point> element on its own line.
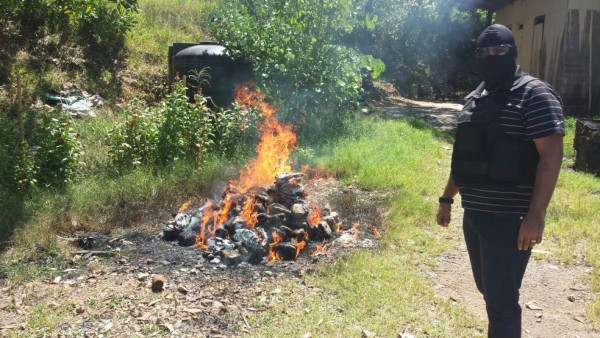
<point>383,290</point>
<point>572,222</point>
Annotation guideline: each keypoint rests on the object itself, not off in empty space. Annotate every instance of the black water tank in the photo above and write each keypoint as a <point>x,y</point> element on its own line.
<point>224,71</point>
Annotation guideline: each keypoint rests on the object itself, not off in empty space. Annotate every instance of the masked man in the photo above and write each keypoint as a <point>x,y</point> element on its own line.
<point>505,163</point>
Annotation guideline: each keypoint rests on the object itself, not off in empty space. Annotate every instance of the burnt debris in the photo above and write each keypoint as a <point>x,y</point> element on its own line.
<point>274,223</point>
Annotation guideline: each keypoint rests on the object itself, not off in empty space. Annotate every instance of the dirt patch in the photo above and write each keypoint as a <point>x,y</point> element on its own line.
<point>553,296</point>
<point>111,295</point>
<point>389,103</point>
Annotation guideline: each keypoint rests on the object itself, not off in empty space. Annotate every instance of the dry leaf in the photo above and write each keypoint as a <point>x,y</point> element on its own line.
<point>533,306</point>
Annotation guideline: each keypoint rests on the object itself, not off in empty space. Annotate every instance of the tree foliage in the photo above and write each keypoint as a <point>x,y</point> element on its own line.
<point>99,19</point>
<point>295,49</point>
<point>426,44</point>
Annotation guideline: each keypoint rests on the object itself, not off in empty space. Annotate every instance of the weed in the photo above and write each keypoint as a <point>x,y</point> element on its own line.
<point>43,318</point>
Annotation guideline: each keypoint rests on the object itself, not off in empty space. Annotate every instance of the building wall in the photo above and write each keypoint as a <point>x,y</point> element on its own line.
<point>563,48</point>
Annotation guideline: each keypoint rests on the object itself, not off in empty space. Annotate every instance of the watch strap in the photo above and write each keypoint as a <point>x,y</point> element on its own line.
<point>446,200</point>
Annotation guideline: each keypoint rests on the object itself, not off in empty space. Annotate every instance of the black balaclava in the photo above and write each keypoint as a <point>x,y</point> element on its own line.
<point>497,69</point>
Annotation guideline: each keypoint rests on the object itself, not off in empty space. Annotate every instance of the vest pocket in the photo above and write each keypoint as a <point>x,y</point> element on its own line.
<point>506,161</point>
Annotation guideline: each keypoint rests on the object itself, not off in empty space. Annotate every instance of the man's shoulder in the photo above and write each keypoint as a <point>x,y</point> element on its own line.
<point>532,83</point>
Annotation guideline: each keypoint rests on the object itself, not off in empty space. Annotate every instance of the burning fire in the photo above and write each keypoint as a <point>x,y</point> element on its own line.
<point>273,256</point>
<point>248,212</point>
<point>250,215</point>
<point>185,206</point>
<point>314,216</point>
<point>277,141</point>
<point>376,233</point>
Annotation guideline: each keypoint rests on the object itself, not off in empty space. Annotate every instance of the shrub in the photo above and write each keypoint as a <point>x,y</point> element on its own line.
<point>179,130</point>
<point>101,19</point>
<point>48,157</point>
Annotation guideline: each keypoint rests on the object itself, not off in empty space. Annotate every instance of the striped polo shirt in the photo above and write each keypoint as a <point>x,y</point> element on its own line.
<point>533,111</point>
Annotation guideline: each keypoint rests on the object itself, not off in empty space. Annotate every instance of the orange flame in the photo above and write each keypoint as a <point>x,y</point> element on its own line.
<point>273,256</point>
<point>185,206</point>
<point>376,233</point>
<point>201,238</point>
<point>206,217</point>
<point>300,246</point>
<point>277,141</point>
<point>354,231</point>
<point>223,215</point>
<point>248,212</point>
<point>319,248</point>
<point>314,215</point>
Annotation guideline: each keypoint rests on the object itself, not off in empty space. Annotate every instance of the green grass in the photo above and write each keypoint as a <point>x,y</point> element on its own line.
<point>382,290</point>
<point>102,203</point>
<point>572,222</point>
<point>43,319</point>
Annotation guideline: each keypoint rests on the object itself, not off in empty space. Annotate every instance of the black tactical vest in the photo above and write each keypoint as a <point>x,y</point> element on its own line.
<point>486,157</point>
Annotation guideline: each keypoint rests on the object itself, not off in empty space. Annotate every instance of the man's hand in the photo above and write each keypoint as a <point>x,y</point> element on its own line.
<point>531,232</point>
<point>443,214</point>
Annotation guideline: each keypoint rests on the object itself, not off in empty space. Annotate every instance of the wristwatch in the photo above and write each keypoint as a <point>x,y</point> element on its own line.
<point>447,200</point>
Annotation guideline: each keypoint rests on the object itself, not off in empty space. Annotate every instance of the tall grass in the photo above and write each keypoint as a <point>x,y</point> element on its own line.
<point>160,24</point>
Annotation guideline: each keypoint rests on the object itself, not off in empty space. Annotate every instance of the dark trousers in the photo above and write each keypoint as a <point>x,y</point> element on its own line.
<point>498,267</point>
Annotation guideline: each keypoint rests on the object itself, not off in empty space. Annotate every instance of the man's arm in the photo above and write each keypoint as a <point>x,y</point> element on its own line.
<point>550,149</point>
<point>443,213</point>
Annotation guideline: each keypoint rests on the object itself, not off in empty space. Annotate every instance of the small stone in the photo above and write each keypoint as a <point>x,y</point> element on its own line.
<point>571,298</point>
<point>142,276</point>
<point>368,334</point>
<point>231,257</point>
<point>182,289</point>
<point>107,327</point>
<point>533,306</point>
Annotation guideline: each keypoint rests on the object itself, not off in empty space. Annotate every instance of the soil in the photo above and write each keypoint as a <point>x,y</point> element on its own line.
<point>108,291</point>
<point>553,295</point>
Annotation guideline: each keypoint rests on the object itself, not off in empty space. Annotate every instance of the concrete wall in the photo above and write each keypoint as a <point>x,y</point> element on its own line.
<point>564,50</point>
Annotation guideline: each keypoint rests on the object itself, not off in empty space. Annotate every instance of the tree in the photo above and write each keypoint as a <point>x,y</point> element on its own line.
<point>426,44</point>
<point>295,50</point>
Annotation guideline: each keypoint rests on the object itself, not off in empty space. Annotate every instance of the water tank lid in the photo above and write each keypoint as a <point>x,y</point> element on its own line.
<point>204,49</point>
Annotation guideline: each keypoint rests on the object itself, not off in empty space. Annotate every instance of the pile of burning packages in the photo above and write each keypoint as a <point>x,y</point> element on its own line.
<point>276,223</point>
